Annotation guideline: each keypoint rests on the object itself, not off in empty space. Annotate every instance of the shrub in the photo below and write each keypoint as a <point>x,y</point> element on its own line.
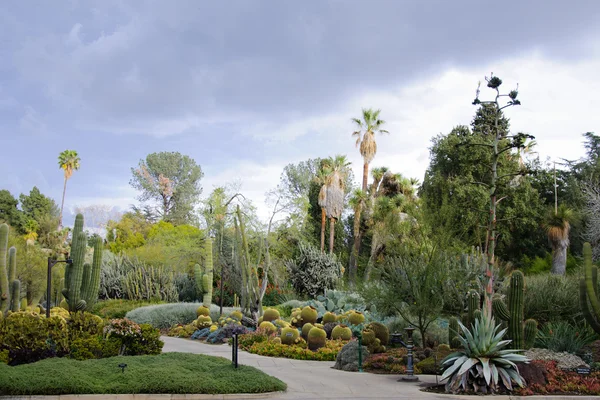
<point>118,308</point>
<point>164,316</point>
<point>552,298</point>
<point>134,339</point>
<point>561,336</point>
<point>560,381</point>
<point>246,341</point>
<point>390,362</point>
<point>297,352</point>
<point>312,272</point>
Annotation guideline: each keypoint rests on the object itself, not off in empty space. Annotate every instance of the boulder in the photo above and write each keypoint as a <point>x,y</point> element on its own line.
<point>347,358</point>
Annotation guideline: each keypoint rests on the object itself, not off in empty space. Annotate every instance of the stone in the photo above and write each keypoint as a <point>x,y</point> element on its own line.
<point>347,358</point>
<point>533,373</point>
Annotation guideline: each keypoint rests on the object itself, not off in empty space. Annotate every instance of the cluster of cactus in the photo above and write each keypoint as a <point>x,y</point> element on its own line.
<point>339,302</point>
<point>82,280</point>
<point>203,275</point>
<point>316,338</point>
<point>144,282</point>
<point>302,316</point>
<point>588,290</point>
<point>473,312</point>
<point>522,333</point>
<point>10,286</point>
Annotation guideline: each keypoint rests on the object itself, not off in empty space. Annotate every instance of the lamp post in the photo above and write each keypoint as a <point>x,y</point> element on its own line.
<point>52,263</point>
<point>410,377</point>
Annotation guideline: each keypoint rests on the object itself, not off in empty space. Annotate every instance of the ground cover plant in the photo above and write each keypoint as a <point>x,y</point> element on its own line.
<point>165,373</point>
<point>118,308</point>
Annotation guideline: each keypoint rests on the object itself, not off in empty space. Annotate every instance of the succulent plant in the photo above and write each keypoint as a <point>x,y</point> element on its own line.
<point>309,315</point>
<point>267,327</point>
<point>316,338</point>
<point>203,310</point>
<point>270,314</point>
<point>328,317</point>
<point>341,332</point>
<point>356,318</point>
<point>289,335</point>
<point>305,329</point>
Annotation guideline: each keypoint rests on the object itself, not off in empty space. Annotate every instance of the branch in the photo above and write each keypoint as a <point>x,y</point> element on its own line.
<point>480,183</point>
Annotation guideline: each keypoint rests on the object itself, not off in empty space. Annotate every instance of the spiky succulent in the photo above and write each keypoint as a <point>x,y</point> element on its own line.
<point>483,364</point>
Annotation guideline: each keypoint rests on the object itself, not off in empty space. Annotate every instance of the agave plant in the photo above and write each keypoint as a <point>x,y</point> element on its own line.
<point>483,363</point>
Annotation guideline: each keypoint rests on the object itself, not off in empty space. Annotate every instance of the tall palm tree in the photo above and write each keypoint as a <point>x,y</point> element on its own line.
<point>68,161</point>
<point>335,193</point>
<point>365,138</point>
<point>322,200</point>
<point>558,226</point>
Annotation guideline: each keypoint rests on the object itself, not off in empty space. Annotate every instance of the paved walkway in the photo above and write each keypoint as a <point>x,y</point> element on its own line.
<point>317,380</point>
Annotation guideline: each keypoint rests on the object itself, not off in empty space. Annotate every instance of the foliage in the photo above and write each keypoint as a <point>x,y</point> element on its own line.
<point>134,339</point>
<point>143,282</point>
<point>393,361</point>
<point>172,181</point>
<point>9,213</point>
<point>562,336</point>
<point>127,233</point>
<point>313,272</point>
<point>588,290</point>
<point>270,348</point>
<point>482,366</point>
<point>37,207</point>
<point>117,308</point>
<point>551,298</point>
<point>170,373</point>
<point>164,316</point>
<point>562,382</point>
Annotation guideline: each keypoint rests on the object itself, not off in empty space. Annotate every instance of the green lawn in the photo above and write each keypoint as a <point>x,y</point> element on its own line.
<point>164,373</point>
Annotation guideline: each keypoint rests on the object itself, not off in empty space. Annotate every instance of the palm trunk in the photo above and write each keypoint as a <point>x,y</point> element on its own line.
<point>323,219</point>
<point>331,234</point>
<point>353,267</point>
<point>559,258</point>
<point>365,176</point>
<point>62,204</point>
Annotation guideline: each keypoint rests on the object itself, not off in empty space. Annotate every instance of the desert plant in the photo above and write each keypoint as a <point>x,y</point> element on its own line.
<point>588,290</point>
<point>312,272</point>
<point>522,333</point>
<point>203,275</point>
<point>316,338</point>
<point>552,298</point>
<point>562,336</point>
<point>143,282</point>
<point>483,363</point>
<point>9,287</point>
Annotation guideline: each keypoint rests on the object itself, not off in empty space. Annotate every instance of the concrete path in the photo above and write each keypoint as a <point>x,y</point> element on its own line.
<point>317,380</point>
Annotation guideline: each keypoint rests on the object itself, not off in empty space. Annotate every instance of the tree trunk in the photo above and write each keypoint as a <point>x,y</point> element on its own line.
<point>559,258</point>
<point>353,267</point>
<point>323,219</point>
<point>62,204</point>
<point>331,234</point>
<point>365,176</point>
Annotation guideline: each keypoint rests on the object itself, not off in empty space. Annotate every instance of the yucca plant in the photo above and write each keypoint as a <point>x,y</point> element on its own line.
<point>483,365</point>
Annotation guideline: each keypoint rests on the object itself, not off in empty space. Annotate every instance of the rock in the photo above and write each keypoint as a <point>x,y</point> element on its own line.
<point>565,360</point>
<point>533,373</point>
<point>347,358</point>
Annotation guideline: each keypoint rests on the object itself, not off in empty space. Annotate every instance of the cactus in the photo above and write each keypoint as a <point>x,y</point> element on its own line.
<point>472,306</point>
<point>4,283</point>
<point>453,332</point>
<point>82,280</point>
<point>309,315</point>
<point>15,304</point>
<point>343,332</point>
<point>267,327</point>
<point>381,332</point>
<point>270,314</point>
<point>328,317</point>
<point>203,276</point>
<point>513,313</point>
<point>203,310</point>
<point>316,338</point>
<point>588,290</point>
<point>289,335</point>
<point>198,279</point>
<point>356,318</point>
<point>305,329</point>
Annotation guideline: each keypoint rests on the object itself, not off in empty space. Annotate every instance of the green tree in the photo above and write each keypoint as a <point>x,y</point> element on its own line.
<point>9,212</point>
<point>69,162</point>
<point>38,207</point>
<point>173,181</point>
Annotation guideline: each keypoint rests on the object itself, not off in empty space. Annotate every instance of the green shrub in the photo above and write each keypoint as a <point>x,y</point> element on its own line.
<point>539,265</point>
<point>561,336</point>
<point>297,352</point>
<point>312,272</point>
<point>118,308</point>
<point>165,316</point>
<point>551,298</point>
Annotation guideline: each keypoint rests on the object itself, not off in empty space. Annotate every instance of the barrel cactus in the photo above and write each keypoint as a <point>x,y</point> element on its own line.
<point>267,327</point>
<point>329,317</point>
<point>309,315</point>
<point>289,335</point>
<point>316,338</point>
<point>270,315</point>
<point>381,332</point>
<point>305,329</point>
<point>203,310</point>
<point>356,318</point>
<point>341,332</point>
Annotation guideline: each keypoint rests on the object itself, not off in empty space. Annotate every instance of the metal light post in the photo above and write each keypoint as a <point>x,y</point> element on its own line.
<point>410,377</point>
<point>52,263</point>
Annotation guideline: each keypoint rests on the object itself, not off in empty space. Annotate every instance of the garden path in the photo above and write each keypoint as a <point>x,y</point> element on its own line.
<point>317,380</point>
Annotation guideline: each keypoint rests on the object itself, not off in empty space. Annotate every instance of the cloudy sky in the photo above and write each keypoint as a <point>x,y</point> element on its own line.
<point>246,87</point>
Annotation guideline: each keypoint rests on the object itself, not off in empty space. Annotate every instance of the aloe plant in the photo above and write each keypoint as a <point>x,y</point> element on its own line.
<point>483,364</point>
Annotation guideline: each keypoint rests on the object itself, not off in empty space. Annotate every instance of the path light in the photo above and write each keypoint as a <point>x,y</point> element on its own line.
<point>123,366</point>
<point>52,263</point>
<point>409,377</point>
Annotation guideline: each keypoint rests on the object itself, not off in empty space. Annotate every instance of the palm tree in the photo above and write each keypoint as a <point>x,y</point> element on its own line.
<point>322,201</point>
<point>365,138</point>
<point>335,193</point>
<point>68,161</point>
<point>558,226</point>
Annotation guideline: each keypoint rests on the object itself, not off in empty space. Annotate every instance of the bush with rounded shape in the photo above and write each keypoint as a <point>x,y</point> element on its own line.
<point>381,332</point>
<point>305,329</point>
<point>203,310</point>
<point>289,335</point>
<point>329,317</point>
<point>309,315</point>
<point>341,332</point>
<point>317,338</point>
<point>270,315</point>
<point>356,318</point>
<point>267,327</point>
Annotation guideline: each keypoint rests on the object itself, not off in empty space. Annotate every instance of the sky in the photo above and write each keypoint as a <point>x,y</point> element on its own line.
<point>246,87</point>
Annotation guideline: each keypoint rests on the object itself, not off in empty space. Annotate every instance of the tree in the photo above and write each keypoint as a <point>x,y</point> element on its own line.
<point>173,181</point>
<point>558,226</point>
<point>9,212</point>
<point>338,170</point>
<point>38,209</point>
<point>68,161</point>
<point>365,141</point>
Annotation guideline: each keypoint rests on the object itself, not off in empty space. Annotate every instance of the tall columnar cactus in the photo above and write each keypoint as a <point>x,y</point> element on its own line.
<point>473,307</point>
<point>12,274</point>
<point>4,283</point>
<point>588,290</point>
<point>522,333</point>
<point>207,277</point>
<point>82,280</point>
<point>453,332</point>
<point>15,303</point>
<point>198,279</point>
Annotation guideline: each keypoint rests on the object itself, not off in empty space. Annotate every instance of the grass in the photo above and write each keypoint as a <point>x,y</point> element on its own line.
<point>117,308</point>
<point>170,373</point>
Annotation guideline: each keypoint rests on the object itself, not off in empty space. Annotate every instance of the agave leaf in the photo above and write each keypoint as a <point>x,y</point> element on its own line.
<point>504,361</point>
<point>459,361</point>
<point>487,373</point>
<point>451,357</point>
<point>505,378</point>
<point>467,365</point>
<point>494,374</point>
<point>514,374</point>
